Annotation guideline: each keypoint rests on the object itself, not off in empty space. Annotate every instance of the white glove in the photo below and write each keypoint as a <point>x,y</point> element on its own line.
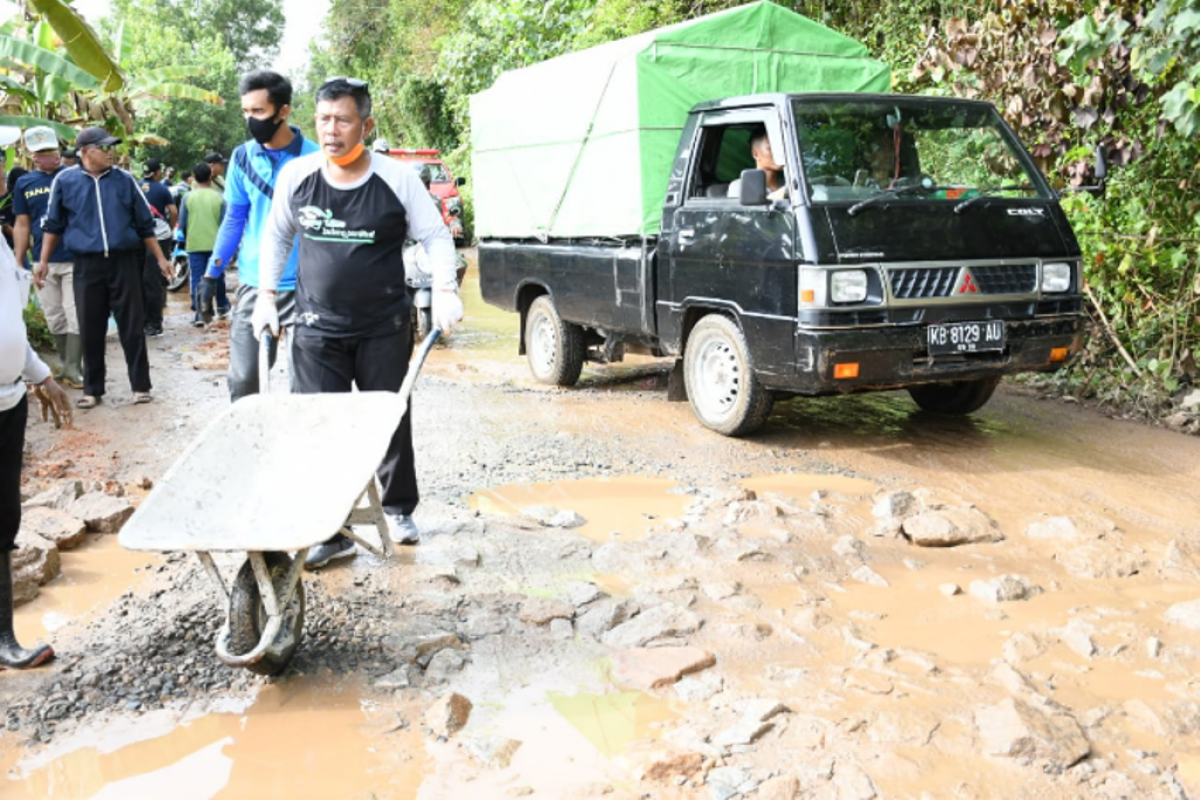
<point>265,316</point>
<point>447,309</point>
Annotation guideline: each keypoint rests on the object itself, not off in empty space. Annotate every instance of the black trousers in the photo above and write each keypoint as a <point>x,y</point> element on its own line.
<point>104,285</point>
<point>12,447</point>
<point>378,363</point>
<point>154,285</point>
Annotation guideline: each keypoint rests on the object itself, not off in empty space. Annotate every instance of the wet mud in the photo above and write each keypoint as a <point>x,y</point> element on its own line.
<point>768,553</point>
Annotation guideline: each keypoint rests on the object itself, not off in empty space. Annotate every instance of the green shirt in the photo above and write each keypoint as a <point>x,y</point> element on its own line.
<point>202,209</point>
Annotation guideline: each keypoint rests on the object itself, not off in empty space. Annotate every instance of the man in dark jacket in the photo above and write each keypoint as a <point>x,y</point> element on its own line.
<point>103,217</point>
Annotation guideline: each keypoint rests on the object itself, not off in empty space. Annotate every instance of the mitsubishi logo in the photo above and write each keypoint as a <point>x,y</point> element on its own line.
<point>966,284</point>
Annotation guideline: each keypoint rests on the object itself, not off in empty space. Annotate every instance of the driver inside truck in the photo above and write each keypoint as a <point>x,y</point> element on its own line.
<point>764,159</point>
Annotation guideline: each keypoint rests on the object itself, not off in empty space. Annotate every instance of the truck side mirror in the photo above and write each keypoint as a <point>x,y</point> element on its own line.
<point>753,188</point>
<point>460,181</point>
<point>1101,164</point>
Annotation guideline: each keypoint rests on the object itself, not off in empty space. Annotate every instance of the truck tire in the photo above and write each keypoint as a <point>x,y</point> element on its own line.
<point>248,616</point>
<point>725,395</point>
<point>555,348</point>
<point>955,397</point>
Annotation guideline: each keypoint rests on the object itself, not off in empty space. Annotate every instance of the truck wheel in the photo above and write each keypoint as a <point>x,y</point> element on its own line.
<point>555,348</point>
<point>956,397</point>
<point>248,616</point>
<point>725,395</point>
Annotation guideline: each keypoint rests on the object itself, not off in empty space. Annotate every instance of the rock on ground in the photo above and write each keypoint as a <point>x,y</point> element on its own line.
<point>541,610</point>
<point>653,667</point>
<point>1185,614</point>
<point>668,766</point>
<point>1004,589</point>
<point>448,715</point>
<point>947,527</point>
<point>57,497</point>
<point>660,622</point>
<point>493,753</point>
<point>35,563</point>
<point>1016,729</point>
<point>101,512</point>
<point>59,527</point>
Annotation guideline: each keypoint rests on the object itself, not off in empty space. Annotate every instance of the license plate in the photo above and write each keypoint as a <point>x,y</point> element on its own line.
<point>966,337</point>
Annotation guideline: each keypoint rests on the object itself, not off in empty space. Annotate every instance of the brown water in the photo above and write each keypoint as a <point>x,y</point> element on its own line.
<point>93,575</point>
<point>623,508</point>
<point>307,737</point>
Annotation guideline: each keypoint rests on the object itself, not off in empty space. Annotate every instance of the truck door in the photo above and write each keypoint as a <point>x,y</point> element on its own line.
<point>723,255</point>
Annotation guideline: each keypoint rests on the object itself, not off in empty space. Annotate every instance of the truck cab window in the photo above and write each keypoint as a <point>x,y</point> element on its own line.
<point>724,153</point>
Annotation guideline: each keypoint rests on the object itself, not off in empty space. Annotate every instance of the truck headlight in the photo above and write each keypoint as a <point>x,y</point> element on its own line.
<point>848,286</point>
<point>1056,277</point>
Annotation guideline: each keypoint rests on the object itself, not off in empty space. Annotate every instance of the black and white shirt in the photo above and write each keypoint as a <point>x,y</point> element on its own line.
<point>350,275</point>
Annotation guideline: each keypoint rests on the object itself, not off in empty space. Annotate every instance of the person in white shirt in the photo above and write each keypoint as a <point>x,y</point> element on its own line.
<point>18,364</point>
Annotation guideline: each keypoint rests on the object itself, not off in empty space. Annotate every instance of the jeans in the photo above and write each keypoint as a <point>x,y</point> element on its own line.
<point>243,347</point>
<point>197,264</point>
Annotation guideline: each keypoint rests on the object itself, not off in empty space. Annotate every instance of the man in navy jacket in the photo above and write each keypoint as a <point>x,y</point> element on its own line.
<point>102,216</point>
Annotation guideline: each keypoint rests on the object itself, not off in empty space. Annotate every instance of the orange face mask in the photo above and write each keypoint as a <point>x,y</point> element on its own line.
<point>349,158</point>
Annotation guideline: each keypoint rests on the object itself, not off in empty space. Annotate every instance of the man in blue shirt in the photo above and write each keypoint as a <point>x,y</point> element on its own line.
<point>249,187</point>
<point>31,197</point>
<point>154,295</point>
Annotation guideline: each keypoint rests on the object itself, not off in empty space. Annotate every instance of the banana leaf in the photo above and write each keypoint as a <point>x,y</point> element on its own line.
<point>65,132</point>
<point>177,91</point>
<point>81,42</point>
<point>11,85</point>
<point>45,60</point>
<point>170,73</point>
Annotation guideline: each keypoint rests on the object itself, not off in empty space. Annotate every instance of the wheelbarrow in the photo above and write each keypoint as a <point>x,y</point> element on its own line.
<point>274,474</point>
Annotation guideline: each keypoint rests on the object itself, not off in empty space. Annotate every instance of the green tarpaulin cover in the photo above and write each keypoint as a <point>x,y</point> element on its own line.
<point>581,145</point>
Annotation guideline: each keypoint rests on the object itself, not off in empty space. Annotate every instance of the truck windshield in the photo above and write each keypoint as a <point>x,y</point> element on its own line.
<point>853,150</point>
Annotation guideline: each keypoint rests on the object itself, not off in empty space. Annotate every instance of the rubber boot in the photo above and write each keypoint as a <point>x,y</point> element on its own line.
<point>60,344</point>
<point>12,655</point>
<point>73,366</point>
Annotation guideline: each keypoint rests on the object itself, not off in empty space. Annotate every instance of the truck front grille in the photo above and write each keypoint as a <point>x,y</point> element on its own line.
<point>917,283</point>
<point>1006,278</point>
<point>920,283</point>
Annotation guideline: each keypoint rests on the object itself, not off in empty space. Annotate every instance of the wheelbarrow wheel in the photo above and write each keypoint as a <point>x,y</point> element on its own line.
<point>248,616</point>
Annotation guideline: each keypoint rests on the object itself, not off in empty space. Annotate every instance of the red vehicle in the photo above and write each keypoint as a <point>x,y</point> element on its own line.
<point>444,185</point>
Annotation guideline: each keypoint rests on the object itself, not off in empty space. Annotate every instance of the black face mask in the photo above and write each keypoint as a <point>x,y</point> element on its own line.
<point>263,130</point>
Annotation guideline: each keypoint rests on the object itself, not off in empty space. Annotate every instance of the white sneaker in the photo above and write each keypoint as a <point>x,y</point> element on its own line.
<point>404,530</point>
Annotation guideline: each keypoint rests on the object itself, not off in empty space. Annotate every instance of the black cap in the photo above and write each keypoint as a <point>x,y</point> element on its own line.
<point>215,158</point>
<point>153,165</point>
<point>95,136</point>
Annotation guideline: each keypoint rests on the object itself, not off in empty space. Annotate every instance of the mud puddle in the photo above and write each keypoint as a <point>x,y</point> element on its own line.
<point>620,509</point>
<point>93,575</point>
<point>303,738</point>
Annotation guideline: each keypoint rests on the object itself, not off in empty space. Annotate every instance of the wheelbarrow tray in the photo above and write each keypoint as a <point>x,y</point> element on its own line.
<point>274,472</point>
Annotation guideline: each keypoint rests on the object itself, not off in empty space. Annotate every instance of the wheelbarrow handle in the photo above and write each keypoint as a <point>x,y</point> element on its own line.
<point>264,362</point>
<point>414,366</point>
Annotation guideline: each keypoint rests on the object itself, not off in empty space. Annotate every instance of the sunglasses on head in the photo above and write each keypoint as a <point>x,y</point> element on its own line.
<point>353,83</point>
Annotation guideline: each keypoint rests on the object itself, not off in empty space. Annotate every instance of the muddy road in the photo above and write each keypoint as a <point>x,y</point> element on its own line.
<point>863,600</point>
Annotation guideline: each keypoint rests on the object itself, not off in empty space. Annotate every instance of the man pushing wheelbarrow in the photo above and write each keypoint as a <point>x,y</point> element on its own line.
<point>302,460</point>
<point>354,210</point>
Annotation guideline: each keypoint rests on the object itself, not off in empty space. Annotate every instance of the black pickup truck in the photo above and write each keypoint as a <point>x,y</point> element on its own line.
<point>916,246</point>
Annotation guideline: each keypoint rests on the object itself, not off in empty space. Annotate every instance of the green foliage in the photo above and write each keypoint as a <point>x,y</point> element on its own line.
<point>1068,75</point>
<point>200,115</point>
<point>36,329</point>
